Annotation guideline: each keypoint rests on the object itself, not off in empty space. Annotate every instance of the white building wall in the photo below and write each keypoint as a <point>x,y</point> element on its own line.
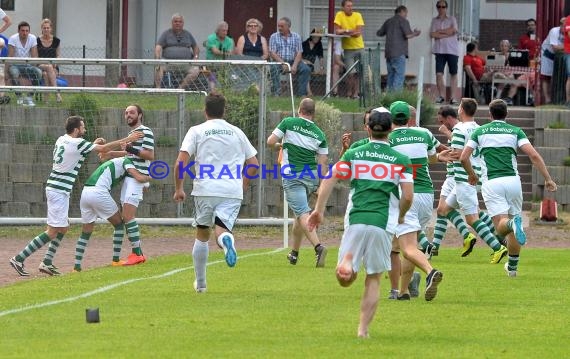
<point>80,23</point>
<point>25,11</point>
<point>507,11</point>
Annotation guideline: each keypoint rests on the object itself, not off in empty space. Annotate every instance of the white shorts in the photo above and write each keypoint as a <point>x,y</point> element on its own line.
<point>96,203</point>
<point>207,208</point>
<point>57,208</point>
<point>503,196</point>
<point>418,216</point>
<point>131,191</point>
<point>465,198</point>
<point>447,187</point>
<point>370,245</point>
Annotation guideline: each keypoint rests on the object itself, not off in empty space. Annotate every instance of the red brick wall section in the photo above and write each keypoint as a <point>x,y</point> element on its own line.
<point>491,32</point>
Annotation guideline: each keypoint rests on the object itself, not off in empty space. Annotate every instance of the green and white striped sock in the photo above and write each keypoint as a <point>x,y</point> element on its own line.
<point>439,230</point>
<point>33,246</point>
<point>80,247</point>
<point>118,236</point>
<point>133,234</point>
<point>52,249</point>
<point>484,232</point>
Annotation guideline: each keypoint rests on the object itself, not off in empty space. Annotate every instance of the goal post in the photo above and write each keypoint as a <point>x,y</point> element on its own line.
<point>99,90</point>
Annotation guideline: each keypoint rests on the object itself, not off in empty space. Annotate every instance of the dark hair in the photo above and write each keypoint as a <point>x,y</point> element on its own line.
<point>441,1</point>
<point>215,105</point>
<point>447,111</point>
<point>23,24</point>
<point>531,19</point>
<point>380,124</point>
<point>139,110</point>
<point>343,2</point>
<point>367,112</point>
<point>471,46</point>
<point>469,106</point>
<point>400,121</point>
<point>72,123</point>
<point>498,109</point>
<point>400,9</point>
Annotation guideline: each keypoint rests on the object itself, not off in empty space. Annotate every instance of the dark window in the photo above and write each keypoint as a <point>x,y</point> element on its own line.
<point>7,5</point>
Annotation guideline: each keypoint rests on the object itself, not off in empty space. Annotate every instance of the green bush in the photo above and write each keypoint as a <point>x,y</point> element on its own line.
<point>427,108</point>
<point>567,161</point>
<point>25,136</point>
<point>558,124</point>
<point>242,110</point>
<point>86,106</point>
<point>328,118</point>
<point>166,141</point>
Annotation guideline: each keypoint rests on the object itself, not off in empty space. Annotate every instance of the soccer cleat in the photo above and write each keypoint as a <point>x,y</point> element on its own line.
<point>28,102</point>
<point>76,270</point>
<point>393,294</point>
<point>48,269</point>
<point>427,252</point>
<point>432,281</point>
<point>404,296</point>
<point>468,244</point>
<point>454,102</point>
<point>414,286</point>
<point>119,263</point>
<point>510,273</point>
<point>498,255</point>
<point>18,267</point>
<point>434,251</point>
<point>227,244</point>
<point>199,289</point>
<point>292,258</point>
<point>321,255</point>
<point>519,230</point>
<point>134,259</point>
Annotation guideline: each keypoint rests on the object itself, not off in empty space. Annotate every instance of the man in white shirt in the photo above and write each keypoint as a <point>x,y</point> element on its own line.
<point>224,161</point>
<point>24,44</point>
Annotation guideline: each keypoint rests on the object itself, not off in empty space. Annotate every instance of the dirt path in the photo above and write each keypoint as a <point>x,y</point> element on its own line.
<point>99,251</point>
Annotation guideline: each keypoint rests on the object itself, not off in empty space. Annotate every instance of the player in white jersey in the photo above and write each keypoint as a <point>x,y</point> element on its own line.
<point>374,210</point>
<point>498,142</point>
<point>447,117</point>
<point>464,196</point>
<point>68,155</point>
<point>141,153</point>
<point>220,146</point>
<point>96,202</point>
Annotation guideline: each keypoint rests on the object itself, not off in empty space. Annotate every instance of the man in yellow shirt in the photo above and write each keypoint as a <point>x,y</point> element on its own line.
<point>348,22</point>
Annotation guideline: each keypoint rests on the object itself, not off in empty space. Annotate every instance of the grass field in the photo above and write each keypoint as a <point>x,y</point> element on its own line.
<point>266,308</point>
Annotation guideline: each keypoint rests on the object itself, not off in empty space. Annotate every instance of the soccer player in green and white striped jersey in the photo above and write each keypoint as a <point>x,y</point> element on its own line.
<point>498,142</point>
<point>464,196</point>
<point>68,155</point>
<point>447,117</point>
<point>96,202</point>
<point>375,207</point>
<point>141,152</point>
<point>305,161</point>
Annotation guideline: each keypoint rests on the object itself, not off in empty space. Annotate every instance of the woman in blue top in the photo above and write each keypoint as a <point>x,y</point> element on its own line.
<point>252,43</point>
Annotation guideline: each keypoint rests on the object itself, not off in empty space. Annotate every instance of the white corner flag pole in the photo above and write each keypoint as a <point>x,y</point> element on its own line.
<point>420,91</point>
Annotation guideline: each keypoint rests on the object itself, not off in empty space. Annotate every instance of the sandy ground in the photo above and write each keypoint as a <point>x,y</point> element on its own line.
<point>99,251</point>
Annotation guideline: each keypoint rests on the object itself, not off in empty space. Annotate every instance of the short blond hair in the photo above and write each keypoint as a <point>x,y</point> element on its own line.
<point>254,20</point>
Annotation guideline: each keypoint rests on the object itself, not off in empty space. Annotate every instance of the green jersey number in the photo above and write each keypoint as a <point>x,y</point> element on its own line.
<point>58,154</point>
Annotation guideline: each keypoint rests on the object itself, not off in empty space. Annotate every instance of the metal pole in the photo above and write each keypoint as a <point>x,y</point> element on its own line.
<point>83,73</point>
<point>181,128</point>
<point>261,136</point>
<point>420,91</point>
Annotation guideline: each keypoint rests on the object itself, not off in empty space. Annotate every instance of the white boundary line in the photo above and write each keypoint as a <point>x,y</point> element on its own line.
<point>107,288</point>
